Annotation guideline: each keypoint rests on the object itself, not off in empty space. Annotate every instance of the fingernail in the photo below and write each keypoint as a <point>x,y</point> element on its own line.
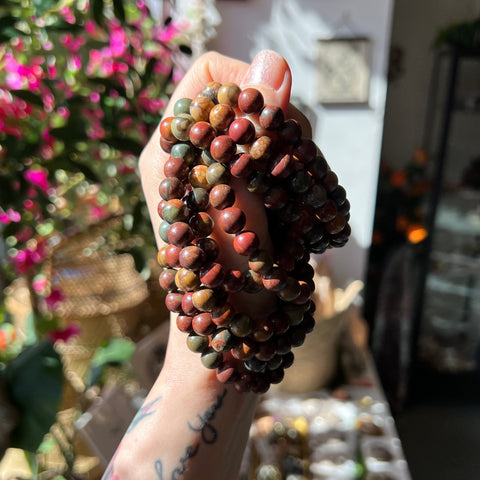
<point>267,68</point>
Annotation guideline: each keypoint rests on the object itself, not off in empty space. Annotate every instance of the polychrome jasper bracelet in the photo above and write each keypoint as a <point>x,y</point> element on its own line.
<point>222,134</point>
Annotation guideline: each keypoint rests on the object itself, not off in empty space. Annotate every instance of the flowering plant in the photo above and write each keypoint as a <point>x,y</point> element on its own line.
<point>82,87</point>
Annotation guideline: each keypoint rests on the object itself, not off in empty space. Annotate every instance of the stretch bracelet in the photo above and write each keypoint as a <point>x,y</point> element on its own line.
<point>222,134</point>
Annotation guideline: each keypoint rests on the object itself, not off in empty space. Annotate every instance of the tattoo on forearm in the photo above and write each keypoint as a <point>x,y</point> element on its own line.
<point>209,436</point>
<point>209,432</point>
<point>144,411</point>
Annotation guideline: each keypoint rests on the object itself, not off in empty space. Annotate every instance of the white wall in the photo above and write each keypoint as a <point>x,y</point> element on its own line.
<point>350,137</point>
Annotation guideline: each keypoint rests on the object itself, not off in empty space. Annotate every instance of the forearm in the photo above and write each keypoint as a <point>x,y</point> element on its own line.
<point>190,426</point>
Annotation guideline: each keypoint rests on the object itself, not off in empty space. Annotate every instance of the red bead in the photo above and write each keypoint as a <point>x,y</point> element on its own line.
<point>223,148</point>
<point>171,187</point>
<point>160,205</point>
<point>242,166</point>
<point>234,281</point>
<point>192,257</point>
<point>202,134</point>
<point>281,166</point>
<point>246,243</point>
<point>184,323</point>
<point>201,224</point>
<point>223,315</point>
<point>336,224</point>
<point>232,220</point>
<point>173,301</point>
<point>202,324</point>
<point>176,167</point>
<point>166,130</point>
<point>227,373</point>
<point>167,279</point>
<point>271,117</point>
<point>262,148</point>
<point>222,340</point>
<point>222,196</point>
<point>242,131</point>
<point>212,275</point>
<point>275,279</point>
<point>171,255</point>
<point>250,100</point>
<point>187,304</point>
<point>165,145</point>
<point>180,234</point>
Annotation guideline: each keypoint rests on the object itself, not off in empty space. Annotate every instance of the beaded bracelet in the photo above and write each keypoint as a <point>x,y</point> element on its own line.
<point>225,133</point>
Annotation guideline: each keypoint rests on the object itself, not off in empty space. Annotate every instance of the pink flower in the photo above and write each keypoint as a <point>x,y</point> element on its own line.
<point>95,97</point>
<point>38,177</point>
<point>64,334</point>
<point>39,283</point>
<point>4,218</point>
<point>54,298</point>
<point>118,42</point>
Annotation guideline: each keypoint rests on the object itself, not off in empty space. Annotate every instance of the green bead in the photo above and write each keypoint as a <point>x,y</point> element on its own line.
<point>211,359</point>
<point>182,106</point>
<point>197,343</point>
<point>181,126</point>
<point>175,211</point>
<point>217,174</point>
<point>185,151</point>
<point>163,231</point>
<point>241,325</point>
<point>207,158</point>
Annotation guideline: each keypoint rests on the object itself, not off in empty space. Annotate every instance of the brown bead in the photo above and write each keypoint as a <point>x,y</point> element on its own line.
<point>171,187</point>
<point>336,225</point>
<point>222,316</point>
<point>204,299</point>
<point>291,291</point>
<point>244,384</point>
<point>212,275</point>
<point>234,281</point>
<point>201,224</point>
<point>316,196</point>
<point>200,108</point>
<point>339,195</point>
<point>228,94</point>
<point>166,130</point>
<point>241,325</point>
<point>281,165</point>
<point>246,243</point>
<point>186,280</point>
<point>328,211</point>
<point>173,301</point>
<point>211,359</point>
<point>192,257</point>
<point>242,131</point>
<point>232,220</point>
<point>280,322</point>
<point>160,205</point>
<point>300,181</point>
<point>176,167</point>
<point>294,313</point>
<point>165,145</point>
<point>275,376</point>
<point>180,234</point>
<point>181,126</point>
<point>211,90</point>
<point>202,134</point>
<point>330,181</point>
<point>209,246</point>
<point>287,360</point>
<point>263,331</point>
<point>275,279</point>
<point>222,196</point>
<point>223,148</point>
<point>202,324</point>
<point>221,116</point>
<point>187,305</point>
<point>304,294</point>
<point>250,100</point>
<point>184,323</point>
<point>276,198</point>
<point>260,262</point>
<point>305,151</point>
<point>198,199</point>
<point>290,131</point>
<point>222,340</point>
<point>318,167</point>
<point>258,183</point>
<point>253,282</point>
<point>198,177</point>
<point>266,351</point>
<point>172,256</point>
<point>162,257</point>
<point>217,173</point>
<point>271,117</point>
<point>262,148</point>
<point>244,350</point>
<point>241,166</point>
<point>167,279</point>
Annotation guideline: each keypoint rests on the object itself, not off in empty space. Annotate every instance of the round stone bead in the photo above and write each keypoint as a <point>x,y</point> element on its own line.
<point>293,249</point>
<point>336,225</point>
<point>275,376</point>
<point>223,148</point>
<point>185,151</point>
<point>180,234</point>
<point>344,208</point>
<point>244,350</point>
<point>165,145</point>
<point>291,291</point>
<point>328,211</point>
<point>187,305</point>
<point>297,336</point>
<point>281,165</point>
<point>258,183</point>
<point>181,126</point>
<point>242,131</point>
<point>202,324</point>
<point>342,236</point>
<point>250,100</point>
<point>227,372</point>
<point>284,261</point>
<point>253,282</point>
<point>305,151</point>
<point>202,134</point>
<point>198,199</point>
<point>200,108</point>
<point>280,322</point>
<point>308,323</point>
<point>241,166</point>
<point>241,325</point>
<point>175,211</point>
<point>222,196</point>
<point>275,279</point>
<point>166,130</point>
<point>172,256</point>
<point>217,173</point>
<point>201,224</point>
<point>173,301</point>
<point>304,223</point>
<point>204,299</point>
<point>192,257</point>
<point>176,167</point>
<point>198,177</point>
<point>266,351</point>
<point>160,205</point>
<point>221,116</point>
<point>330,181</point>
<point>271,117</point>
<point>261,261</point>
<point>276,198</point>
<point>287,360</point>
<point>318,167</point>
<point>339,195</point>
<point>234,281</point>
<point>222,340</point>
<point>300,182</point>
<point>197,343</point>
<point>245,383</point>
<point>255,365</point>
<point>262,148</point>
<point>182,106</point>
<point>275,362</point>
<point>167,279</point>
<point>316,196</point>
<point>304,294</point>
<point>222,316</point>
<point>232,220</point>
<point>211,90</point>
<point>184,323</point>
<point>212,275</point>
<point>206,158</point>
<point>263,330</point>
<point>211,359</point>
<point>228,94</point>
<point>209,246</point>
<point>290,131</point>
<point>163,231</point>
<point>162,257</point>
<point>186,280</point>
<point>171,187</point>
<point>282,344</point>
<point>246,243</point>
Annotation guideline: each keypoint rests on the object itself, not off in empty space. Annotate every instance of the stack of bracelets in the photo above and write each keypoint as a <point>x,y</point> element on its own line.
<point>223,133</point>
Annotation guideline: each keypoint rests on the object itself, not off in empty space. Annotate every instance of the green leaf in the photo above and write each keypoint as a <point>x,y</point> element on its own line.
<point>119,10</point>
<point>32,463</point>
<point>125,144</point>
<point>28,97</point>
<point>86,170</point>
<point>96,9</point>
<point>34,380</point>
<point>148,71</point>
<point>116,351</point>
<point>43,6</point>
<point>7,28</point>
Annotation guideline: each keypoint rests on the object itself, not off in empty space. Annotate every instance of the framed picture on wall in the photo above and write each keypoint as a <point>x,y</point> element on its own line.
<point>343,70</point>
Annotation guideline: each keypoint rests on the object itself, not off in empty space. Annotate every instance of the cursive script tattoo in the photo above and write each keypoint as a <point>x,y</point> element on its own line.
<point>143,411</point>
<point>209,432</point>
<point>190,452</point>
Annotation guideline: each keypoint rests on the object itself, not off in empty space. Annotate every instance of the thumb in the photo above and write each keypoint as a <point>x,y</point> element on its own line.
<point>270,74</point>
